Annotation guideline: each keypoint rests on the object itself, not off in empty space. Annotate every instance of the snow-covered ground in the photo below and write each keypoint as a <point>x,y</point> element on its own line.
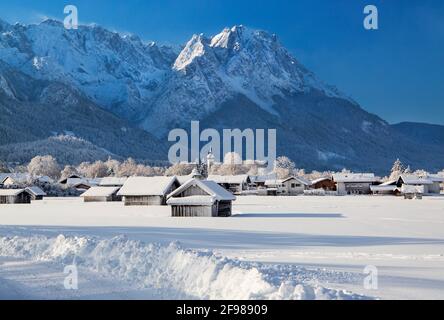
<point>272,248</point>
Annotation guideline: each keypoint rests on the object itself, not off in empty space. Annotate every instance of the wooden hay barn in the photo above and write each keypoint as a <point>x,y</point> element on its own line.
<point>101,194</point>
<point>197,198</point>
<point>147,191</point>
<point>36,193</point>
<point>14,196</point>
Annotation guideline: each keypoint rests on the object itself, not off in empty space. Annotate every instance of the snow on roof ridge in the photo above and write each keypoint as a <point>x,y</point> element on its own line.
<point>136,186</point>
<point>210,187</point>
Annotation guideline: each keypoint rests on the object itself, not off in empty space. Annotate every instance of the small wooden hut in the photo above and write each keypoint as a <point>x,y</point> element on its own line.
<point>101,194</point>
<point>201,198</point>
<point>36,193</point>
<point>147,191</point>
<point>14,196</point>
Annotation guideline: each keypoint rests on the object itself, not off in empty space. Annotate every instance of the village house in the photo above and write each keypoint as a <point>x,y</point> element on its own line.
<point>15,179</point>
<point>147,191</point>
<point>79,183</point>
<point>354,183</point>
<point>386,188</point>
<point>14,196</point>
<point>427,185</point>
<point>324,183</point>
<point>112,181</point>
<point>201,198</point>
<point>289,187</point>
<point>235,184</point>
<point>36,193</point>
<point>101,194</point>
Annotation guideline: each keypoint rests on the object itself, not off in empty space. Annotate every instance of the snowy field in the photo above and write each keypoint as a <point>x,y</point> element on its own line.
<point>272,248</point>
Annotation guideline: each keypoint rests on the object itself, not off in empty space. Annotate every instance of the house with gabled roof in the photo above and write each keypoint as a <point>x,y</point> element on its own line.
<point>147,191</point>
<point>101,194</point>
<point>201,198</point>
<point>426,184</point>
<point>233,183</point>
<point>290,186</point>
<point>354,183</point>
<point>36,193</point>
<point>14,196</point>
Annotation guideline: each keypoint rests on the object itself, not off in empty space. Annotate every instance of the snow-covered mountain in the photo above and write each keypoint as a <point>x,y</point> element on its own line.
<point>239,78</point>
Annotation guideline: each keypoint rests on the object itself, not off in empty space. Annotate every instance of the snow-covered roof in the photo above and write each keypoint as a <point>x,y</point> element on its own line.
<point>112,181</point>
<point>355,177</point>
<point>415,180</point>
<point>238,179</point>
<point>435,178</point>
<point>100,192</point>
<point>192,201</point>
<point>44,179</point>
<point>412,189</point>
<point>36,191</point>
<point>210,187</point>
<point>73,182</point>
<point>389,183</point>
<point>263,178</point>
<point>274,182</point>
<point>11,192</point>
<point>183,179</point>
<point>301,180</point>
<point>383,188</point>
<point>320,180</point>
<point>147,186</point>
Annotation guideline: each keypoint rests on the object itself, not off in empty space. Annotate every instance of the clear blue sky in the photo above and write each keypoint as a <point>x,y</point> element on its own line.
<point>396,72</point>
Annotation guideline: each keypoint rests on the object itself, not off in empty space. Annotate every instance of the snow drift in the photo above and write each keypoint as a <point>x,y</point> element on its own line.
<point>174,272</point>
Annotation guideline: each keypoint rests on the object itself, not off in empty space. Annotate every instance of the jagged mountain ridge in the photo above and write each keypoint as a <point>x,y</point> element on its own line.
<point>239,78</point>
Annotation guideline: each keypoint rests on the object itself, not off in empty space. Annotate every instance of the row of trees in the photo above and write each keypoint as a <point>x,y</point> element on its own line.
<point>232,165</point>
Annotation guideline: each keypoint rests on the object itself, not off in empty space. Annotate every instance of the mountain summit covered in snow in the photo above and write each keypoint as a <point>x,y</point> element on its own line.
<point>239,78</point>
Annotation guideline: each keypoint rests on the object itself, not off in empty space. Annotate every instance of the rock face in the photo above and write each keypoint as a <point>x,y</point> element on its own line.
<point>240,78</point>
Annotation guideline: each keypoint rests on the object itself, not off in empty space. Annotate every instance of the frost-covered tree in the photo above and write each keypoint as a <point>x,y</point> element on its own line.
<point>397,170</point>
<point>3,167</point>
<point>180,169</point>
<point>284,167</point>
<point>68,171</point>
<point>232,158</point>
<point>96,170</point>
<point>128,168</point>
<point>44,166</point>
<point>113,166</point>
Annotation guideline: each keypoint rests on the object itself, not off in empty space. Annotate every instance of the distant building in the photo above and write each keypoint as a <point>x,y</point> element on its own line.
<point>354,183</point>
<point>15,179</point>
<point>80,183</point>
<point>412,191</point>
<point>112,181</point>
<point>72,178</point>
<point>14,196</point>
<point>290,186</point>
<point>386,188</point>
<point>424,183</point>
<point>101,194</point>
<point>146,191</point>
<point>324,183</point>
<point>36,193</point>
<point>234,184</point>
<point>201,198</point>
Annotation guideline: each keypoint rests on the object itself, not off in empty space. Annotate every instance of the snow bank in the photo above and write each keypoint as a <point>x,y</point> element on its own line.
<point>174,272</point>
